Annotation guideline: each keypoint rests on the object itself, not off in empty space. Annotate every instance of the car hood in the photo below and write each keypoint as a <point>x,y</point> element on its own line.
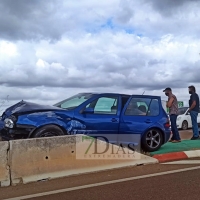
<point>27,107</point>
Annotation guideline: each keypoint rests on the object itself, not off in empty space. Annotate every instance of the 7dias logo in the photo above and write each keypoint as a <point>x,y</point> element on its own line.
<point>99,147</point>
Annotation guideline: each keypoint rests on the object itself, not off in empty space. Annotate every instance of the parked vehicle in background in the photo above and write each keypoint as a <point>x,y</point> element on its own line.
<point>184,120</point>
<point>91,113</point>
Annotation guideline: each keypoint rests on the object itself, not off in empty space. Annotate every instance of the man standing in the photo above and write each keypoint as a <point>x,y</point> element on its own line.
<point>194,110</point>
<point>172,104</point>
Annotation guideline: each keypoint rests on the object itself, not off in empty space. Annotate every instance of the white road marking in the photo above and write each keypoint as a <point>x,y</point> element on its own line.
<point>102,183</point>
<point>182,162</point>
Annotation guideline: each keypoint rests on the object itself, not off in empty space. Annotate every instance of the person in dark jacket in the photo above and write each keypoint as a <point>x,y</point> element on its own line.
<point>194,110</point>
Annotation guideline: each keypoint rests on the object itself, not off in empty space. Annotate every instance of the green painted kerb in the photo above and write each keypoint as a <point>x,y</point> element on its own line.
<point>184,145</point>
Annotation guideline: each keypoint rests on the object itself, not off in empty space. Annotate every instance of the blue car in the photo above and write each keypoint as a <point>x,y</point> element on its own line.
<point>91,113</point>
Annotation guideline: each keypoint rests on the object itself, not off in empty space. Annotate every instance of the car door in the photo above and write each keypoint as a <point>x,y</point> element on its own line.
<point>139,114</point>
<point>104,120</point>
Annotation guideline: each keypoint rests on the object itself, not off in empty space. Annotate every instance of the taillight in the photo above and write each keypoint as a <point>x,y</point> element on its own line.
<point>167,124</point>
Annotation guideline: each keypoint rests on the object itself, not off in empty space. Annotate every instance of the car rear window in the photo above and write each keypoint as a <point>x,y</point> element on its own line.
<point>143,106</point>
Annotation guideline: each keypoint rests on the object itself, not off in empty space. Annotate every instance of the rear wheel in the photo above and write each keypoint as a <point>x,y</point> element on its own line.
<point>152,140</point>
<point>48,131</point>
<point>184,125</point>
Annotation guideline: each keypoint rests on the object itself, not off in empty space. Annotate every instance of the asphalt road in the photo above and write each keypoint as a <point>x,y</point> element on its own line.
<point>176,185</point>
<point>184,185</point>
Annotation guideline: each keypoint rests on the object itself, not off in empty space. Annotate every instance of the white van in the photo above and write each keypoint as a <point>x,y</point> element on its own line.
<point>184,120</point>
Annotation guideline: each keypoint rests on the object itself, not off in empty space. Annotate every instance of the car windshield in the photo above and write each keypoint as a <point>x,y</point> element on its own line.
<point>74,101</point>
<point>181,111</point>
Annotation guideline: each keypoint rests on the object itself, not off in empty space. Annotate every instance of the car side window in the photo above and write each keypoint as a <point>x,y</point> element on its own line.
<point>138,106</point>
<point>154,108</point>
<point>104,105</point>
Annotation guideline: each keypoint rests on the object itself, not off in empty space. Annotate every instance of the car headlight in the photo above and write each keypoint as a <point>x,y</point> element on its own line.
<point>179,118</point>
<point>8,123</point>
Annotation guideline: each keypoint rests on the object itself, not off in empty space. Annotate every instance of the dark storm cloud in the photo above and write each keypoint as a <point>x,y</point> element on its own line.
<point>191,72</point>
<point>37,19</point>
<point>168,7</point>
<point>69,83</point>
<point>144,77</point>
<point>150,85</point>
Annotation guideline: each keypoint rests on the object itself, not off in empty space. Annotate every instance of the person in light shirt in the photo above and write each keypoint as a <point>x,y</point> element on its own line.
<point>172,104</point>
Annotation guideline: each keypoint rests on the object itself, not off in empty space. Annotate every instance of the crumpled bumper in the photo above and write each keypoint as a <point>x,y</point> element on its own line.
<point>4,135</point>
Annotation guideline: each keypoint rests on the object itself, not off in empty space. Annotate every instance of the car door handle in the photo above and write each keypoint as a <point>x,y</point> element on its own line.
<point>114,120</point>
<point>148,121</point>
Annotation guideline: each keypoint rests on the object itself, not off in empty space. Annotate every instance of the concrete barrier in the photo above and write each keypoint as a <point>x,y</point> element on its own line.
<point>4,168</point>
<point>47,158</point>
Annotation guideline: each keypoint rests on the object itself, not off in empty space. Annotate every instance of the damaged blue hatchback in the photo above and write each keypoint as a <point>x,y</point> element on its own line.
<point>88,113</point>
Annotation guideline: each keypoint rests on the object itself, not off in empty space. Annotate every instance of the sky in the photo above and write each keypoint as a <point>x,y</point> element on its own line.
<point>53,49</point>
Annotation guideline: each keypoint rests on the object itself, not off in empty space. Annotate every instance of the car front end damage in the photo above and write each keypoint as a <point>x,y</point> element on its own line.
<point>15,122</point>
<point>11,130</point>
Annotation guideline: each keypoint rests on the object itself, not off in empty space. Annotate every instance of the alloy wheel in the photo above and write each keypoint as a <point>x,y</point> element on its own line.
<point>153,139</point>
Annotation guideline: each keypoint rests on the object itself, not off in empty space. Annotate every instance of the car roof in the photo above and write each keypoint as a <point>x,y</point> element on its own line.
<point>103,93</point>
<point>141,95</point>
<point>110,93</point>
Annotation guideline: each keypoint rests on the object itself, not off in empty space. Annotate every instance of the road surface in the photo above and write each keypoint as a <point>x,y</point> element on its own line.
<point>161,181</point>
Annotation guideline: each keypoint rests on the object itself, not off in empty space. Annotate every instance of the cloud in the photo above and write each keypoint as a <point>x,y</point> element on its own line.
<point>170,6</point>
<point>144,63</point>
<point>157,18</point>
<point>49,19</point>
<point>50,50</point>
<point>125,12</point>
<point>26,20</point>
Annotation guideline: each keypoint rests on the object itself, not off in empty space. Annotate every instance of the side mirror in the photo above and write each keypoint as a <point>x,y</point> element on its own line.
<point>88,111</point>
<point>187,113</point>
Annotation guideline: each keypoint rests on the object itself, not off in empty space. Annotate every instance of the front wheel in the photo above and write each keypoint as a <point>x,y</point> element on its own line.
<point>48,131</point>
<point>152,140</point>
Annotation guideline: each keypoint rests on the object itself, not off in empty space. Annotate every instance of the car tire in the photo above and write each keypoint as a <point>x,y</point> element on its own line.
<point>184,125</point>
<point>48,131</point>
<point>152,140</point>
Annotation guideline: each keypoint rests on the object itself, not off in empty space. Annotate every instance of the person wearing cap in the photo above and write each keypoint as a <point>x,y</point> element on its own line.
<point>172,104</point>
<point>194,110</point>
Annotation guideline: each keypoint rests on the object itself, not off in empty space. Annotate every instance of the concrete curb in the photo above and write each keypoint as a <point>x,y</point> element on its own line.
<point>63,156</point>
<point>174,156</point>
<point>4,168</point>
<point>58,157</point>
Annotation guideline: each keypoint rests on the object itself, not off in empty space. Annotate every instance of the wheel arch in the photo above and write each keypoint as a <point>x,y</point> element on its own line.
<point>44,125</point>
